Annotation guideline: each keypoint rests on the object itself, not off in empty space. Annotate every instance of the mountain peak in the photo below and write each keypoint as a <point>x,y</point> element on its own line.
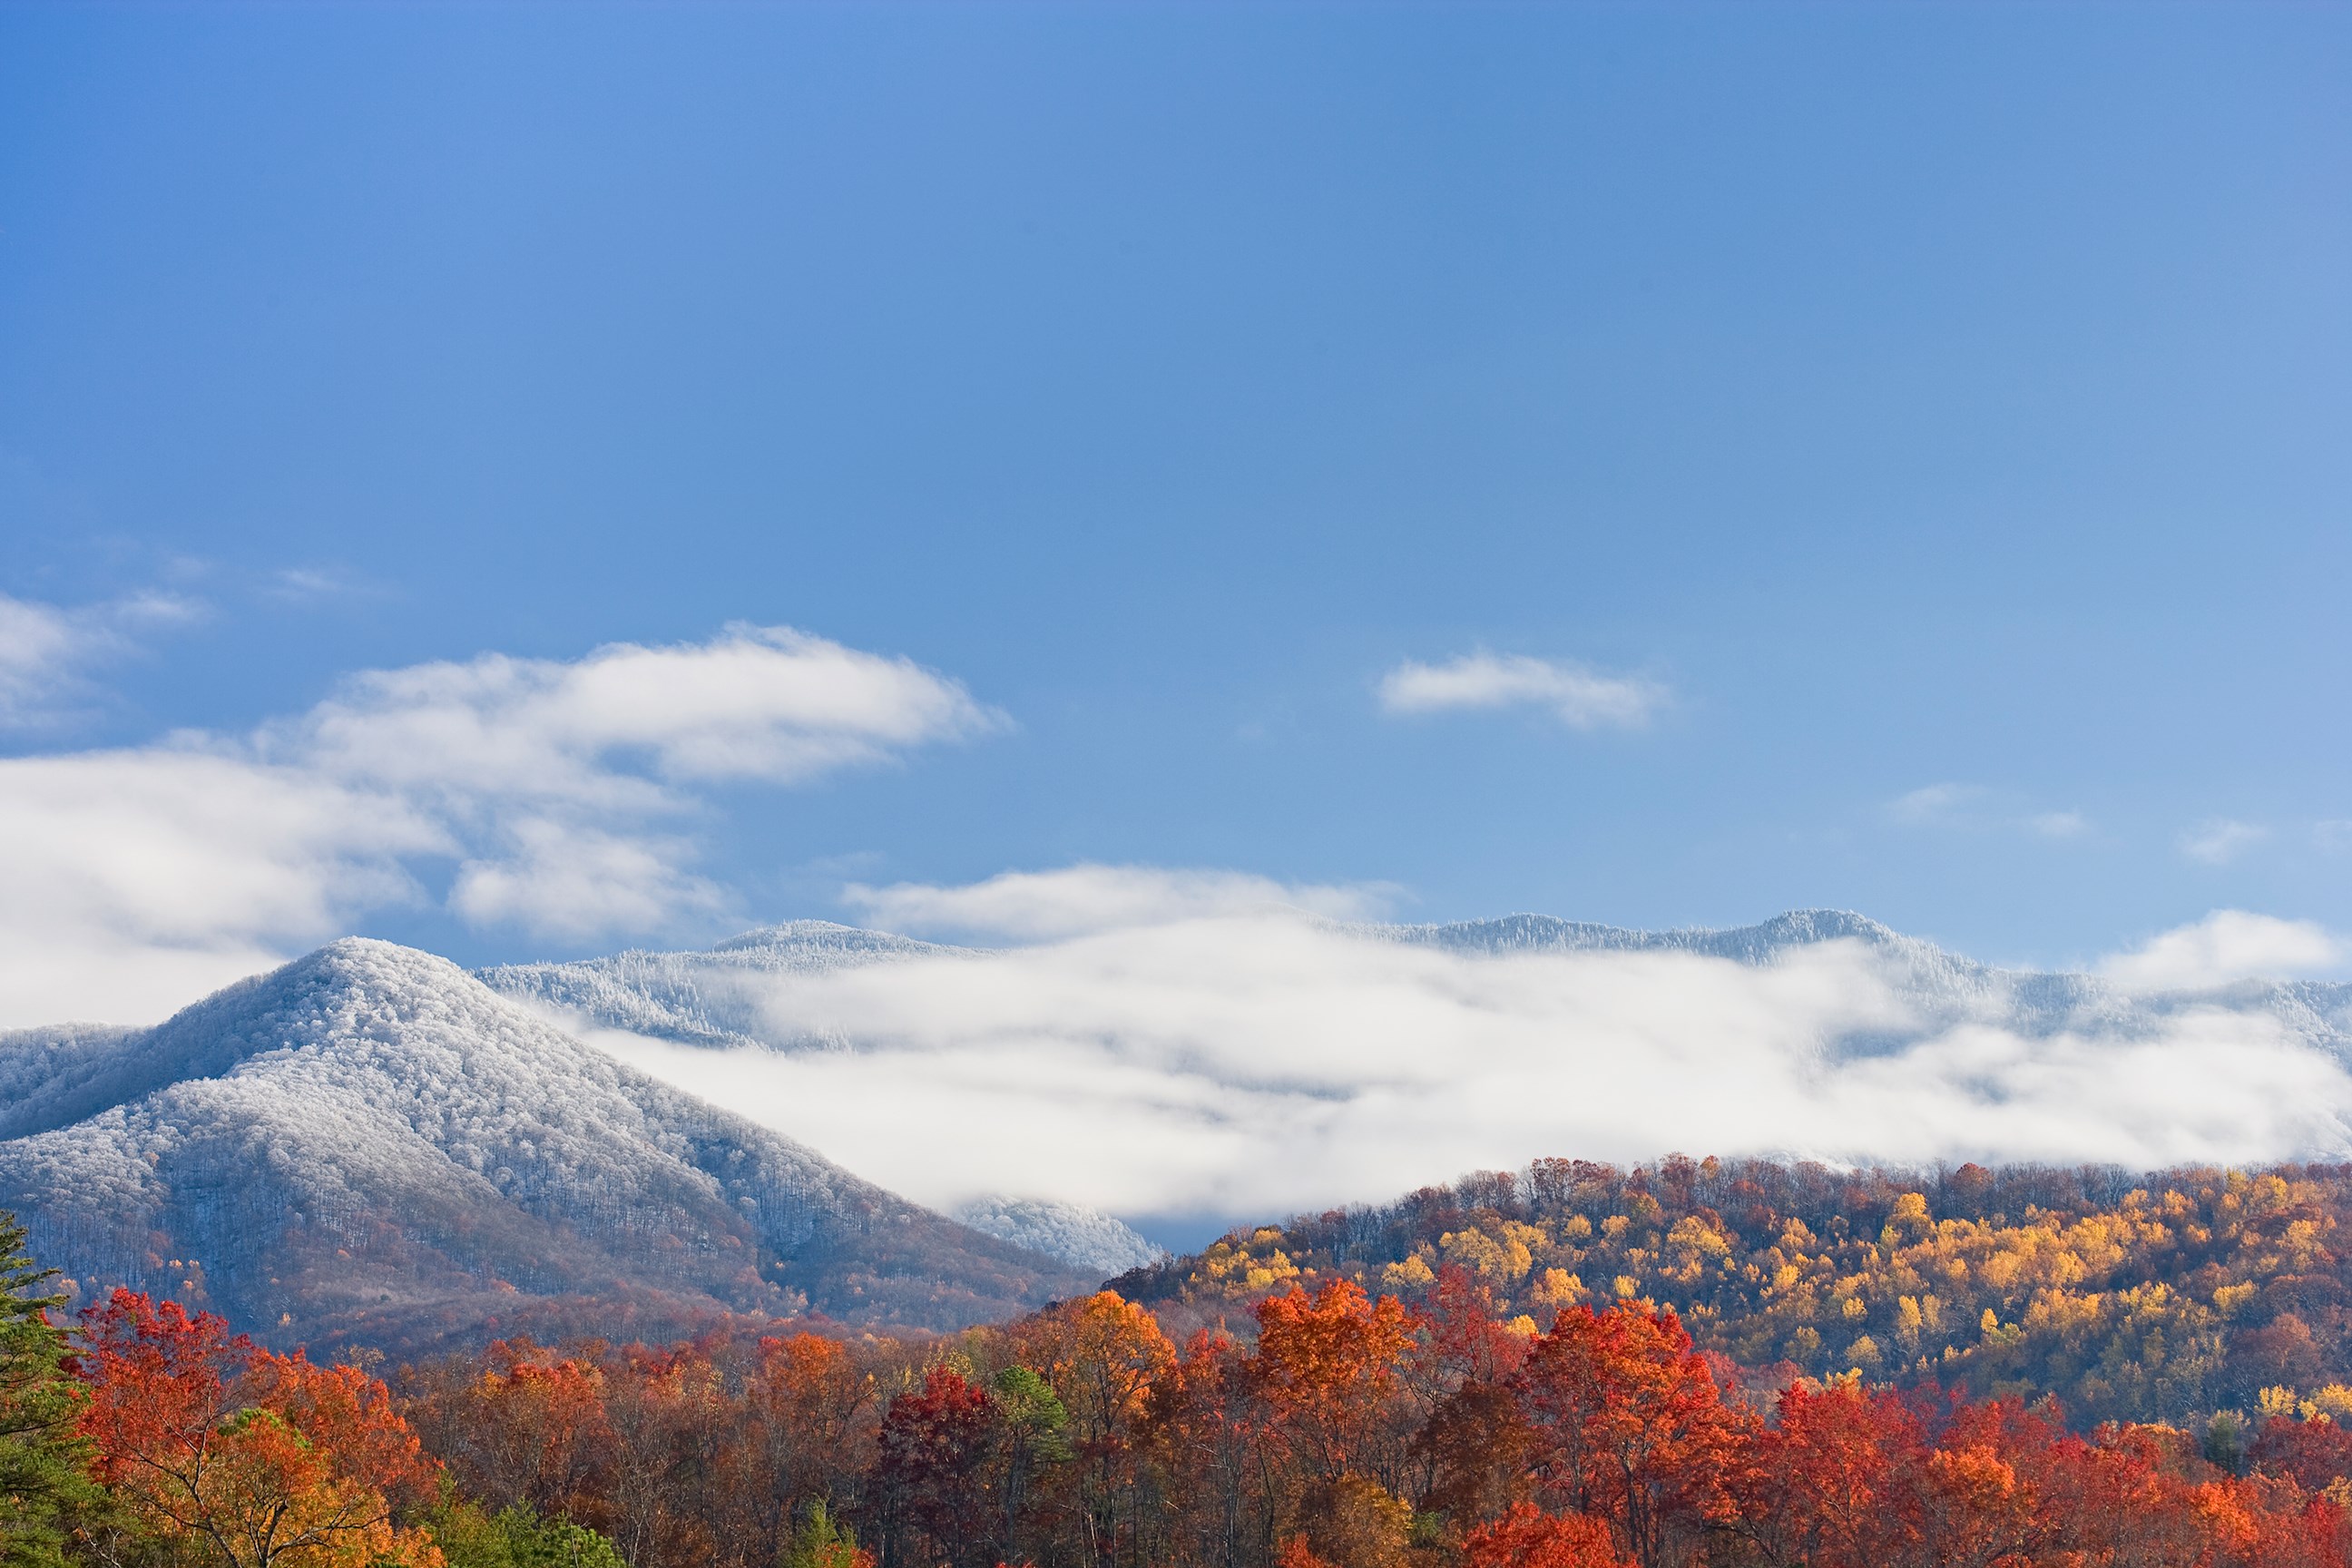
<point>370,1134</point>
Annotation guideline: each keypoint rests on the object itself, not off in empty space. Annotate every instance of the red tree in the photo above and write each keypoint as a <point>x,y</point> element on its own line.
<point>1831,1483</point>
<point>935,1445</point>
<point>1629,1427</point>
<point>1526,1537</point>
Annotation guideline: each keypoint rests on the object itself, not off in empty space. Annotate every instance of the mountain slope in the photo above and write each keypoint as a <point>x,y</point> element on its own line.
<point>370,1140</point>
<point>700,998</point>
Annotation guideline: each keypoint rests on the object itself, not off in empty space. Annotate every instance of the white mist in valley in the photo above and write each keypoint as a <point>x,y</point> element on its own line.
<point>1264,1060</point>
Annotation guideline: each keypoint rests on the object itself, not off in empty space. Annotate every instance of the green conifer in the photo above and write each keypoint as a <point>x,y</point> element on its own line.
<point>44,1460</point>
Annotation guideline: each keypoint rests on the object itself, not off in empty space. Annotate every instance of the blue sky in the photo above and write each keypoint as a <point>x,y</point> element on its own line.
<point>1939,414</point>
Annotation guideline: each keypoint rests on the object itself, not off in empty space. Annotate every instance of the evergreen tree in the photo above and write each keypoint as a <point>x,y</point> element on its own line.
<point>470,1536</point>
<point>822,1542</point>
<point>44,1460</point>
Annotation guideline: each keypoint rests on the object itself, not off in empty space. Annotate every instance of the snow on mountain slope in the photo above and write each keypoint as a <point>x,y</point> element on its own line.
<point>701,998</point>
<point>1083,1237</point>
<point>53,1076</point>
<point>371,1141</point>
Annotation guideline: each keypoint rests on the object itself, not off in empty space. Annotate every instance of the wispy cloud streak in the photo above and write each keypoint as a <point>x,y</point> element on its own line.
<point>1577,697</point>
<point>47,650</point>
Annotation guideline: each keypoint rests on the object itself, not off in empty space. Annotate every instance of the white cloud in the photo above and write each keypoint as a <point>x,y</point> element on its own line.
<point>2220,841</point>
<point>768,704</point>
<point>2225,946</point>
<point>200,858</point>
<point>1977,807</point>
<point>47,650</point>
<point>568,880</point>
<point>1935,802</point>
<point>138,880</point>
<point>1030,906</point>
<point>308,584</point>
<point>1577,697</point>
<point>1254,1063</point>
<point>38,644</point>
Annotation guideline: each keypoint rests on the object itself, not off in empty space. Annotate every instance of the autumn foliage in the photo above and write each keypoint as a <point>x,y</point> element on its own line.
<point>242,1458</point>
<point>2132,1297</point>
<point>1412,1411</point>
<point>1331,1427</point>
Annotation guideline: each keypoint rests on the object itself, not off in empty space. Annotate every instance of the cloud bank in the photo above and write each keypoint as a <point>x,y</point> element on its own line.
<point>1577,697</point>
<point>139,877</point>
<point>1257,1062</point>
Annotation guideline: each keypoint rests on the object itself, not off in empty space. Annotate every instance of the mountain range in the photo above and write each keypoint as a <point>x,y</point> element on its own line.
<point>373,1145</point>
<point>1941,988</point>
<point>710,998</point>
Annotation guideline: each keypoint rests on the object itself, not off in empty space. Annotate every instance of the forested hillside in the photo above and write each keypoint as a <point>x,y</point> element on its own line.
<point>2130,1298</point>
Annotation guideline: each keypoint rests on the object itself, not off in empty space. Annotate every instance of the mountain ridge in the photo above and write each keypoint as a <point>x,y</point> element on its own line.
<point>701,998</point>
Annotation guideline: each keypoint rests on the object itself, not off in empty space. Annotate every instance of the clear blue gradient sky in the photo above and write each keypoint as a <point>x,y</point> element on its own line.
<point>1923,396</point>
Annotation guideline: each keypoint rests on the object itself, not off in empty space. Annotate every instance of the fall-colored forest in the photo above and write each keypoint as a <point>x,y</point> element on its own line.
<point>2131,1298</point>
<point>1688,1364</point>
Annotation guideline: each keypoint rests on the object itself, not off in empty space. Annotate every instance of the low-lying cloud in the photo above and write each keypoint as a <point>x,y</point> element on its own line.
<point>1254,1063</point>
<point>1579,698</point>
<point>548,791</point>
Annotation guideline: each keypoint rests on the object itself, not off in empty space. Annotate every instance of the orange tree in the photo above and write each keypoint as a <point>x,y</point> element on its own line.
<point>242,1458</point>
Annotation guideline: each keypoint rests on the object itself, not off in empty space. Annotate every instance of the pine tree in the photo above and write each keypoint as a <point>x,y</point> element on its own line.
<point>44,1460</point>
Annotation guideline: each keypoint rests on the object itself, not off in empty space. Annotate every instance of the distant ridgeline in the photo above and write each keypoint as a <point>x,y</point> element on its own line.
<point>2132,1297</point>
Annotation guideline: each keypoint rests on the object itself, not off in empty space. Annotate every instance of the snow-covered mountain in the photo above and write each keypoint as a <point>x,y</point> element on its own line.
<point>371,1144</point>
<point>703,998</point>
